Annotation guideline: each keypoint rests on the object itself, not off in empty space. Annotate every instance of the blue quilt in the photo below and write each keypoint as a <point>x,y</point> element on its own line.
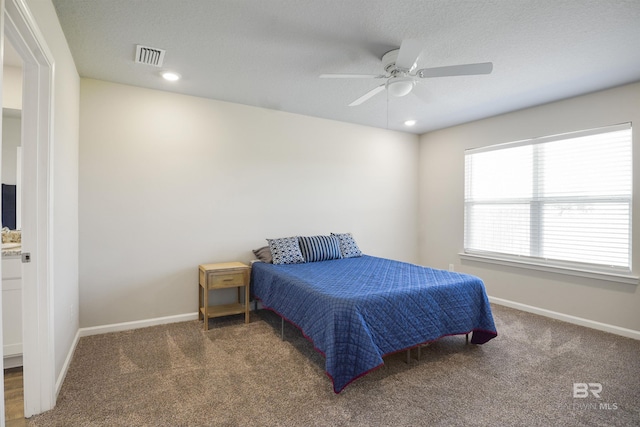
<point>357,310</point>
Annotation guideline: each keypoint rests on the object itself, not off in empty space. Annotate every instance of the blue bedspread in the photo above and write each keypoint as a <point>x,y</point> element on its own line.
<point>357,310</point>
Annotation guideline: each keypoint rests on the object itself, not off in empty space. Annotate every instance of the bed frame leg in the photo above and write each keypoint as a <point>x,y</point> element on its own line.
<point>466,338</point>
<point>408,356</point>
<point>282,328</point>
<point>419,347</point>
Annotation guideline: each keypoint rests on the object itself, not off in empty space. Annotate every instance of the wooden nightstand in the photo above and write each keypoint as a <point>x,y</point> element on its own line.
<point>221,276</point>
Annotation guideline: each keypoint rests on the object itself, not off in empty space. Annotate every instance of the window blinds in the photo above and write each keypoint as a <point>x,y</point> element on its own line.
<point>559,199</point>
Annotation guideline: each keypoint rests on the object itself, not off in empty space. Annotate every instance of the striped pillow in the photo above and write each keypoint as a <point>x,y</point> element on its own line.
<point>319,248</point>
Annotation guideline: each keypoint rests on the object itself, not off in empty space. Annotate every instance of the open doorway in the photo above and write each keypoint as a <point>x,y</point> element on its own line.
<point>38,360</point>
<point>11,175</point>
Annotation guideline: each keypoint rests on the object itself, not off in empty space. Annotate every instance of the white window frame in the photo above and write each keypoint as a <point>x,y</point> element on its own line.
<point>593,271</point>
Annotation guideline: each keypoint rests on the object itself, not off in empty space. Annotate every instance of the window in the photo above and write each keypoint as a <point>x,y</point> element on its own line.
<point>561,200</point>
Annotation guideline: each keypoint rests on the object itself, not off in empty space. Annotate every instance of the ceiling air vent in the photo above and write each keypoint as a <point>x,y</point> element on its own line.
<point>149,55</point>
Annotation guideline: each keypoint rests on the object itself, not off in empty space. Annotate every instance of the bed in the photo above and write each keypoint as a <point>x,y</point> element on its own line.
<point>357,310</point>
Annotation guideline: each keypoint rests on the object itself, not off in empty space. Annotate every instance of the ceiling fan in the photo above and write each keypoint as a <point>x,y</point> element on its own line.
<point>401,75</point>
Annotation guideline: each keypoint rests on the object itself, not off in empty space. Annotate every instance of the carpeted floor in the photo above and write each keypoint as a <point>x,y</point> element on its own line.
<point>244,375</point>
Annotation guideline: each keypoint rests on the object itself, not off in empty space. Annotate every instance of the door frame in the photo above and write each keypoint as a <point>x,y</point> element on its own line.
<point>21,30</point>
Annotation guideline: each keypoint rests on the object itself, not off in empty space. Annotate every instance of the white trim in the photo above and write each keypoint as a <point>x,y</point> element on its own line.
<point>2,362</point>
<point>629,279</point>
<point>551,138</point>
<point>37,140</point>
<point>137,324</point>
<point>617,330</point>
<point>14,361</point>
<point>12,350</point>
<point>67,363</point>
<point>116,327</point>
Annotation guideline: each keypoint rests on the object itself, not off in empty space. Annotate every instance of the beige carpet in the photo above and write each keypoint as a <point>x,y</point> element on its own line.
<point>244,375</point>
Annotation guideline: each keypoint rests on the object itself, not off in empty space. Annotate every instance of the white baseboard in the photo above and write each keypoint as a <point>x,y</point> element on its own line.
<point>13,361</point>
<point>116,327</point>
<point>67,363</point>
<point>12,349</point>
<point>137,324</point>
<point>629,333</point>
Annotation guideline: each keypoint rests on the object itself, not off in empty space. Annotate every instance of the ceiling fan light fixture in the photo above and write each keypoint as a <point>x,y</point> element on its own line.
<point>400,86</point>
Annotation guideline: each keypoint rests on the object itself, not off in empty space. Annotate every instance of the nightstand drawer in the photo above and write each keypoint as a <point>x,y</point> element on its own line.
<point>228,280</point>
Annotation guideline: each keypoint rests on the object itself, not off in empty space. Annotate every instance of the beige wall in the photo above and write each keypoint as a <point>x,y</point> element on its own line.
<point>169,181</point>
<point>442,211</point>
<point>64,183</point>
<point>12,87</point>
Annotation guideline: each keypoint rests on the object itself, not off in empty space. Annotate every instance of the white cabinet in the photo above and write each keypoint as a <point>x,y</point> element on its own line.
<point>12,310</point>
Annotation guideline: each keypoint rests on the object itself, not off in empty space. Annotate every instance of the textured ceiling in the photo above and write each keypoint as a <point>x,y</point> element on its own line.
<point>269,53</point>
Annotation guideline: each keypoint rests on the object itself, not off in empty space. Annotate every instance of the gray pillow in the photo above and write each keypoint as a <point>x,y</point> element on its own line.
<point>264,254</point>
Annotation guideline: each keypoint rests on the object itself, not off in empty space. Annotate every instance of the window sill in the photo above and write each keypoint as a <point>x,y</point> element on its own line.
<point>532,265</point>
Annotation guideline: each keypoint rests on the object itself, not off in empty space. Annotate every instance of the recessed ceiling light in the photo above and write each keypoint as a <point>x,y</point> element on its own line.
<point>410,122</point>
<point>171,76</point>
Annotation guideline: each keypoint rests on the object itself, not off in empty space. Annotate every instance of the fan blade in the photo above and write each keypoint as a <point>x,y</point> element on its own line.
<point>410,50</point>
<point>456,70</point>
<point>367,95</point>
<point>352,76</point>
